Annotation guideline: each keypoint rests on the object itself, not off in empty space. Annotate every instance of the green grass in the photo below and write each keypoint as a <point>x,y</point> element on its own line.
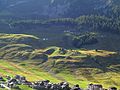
<point>85,69</point>
<point>81,69</point>
<point>16,36</point>
<point>21,52</point>
<point>7,39</point>
<point>66,53</point>
<point>24,87</point>
<point>74,80</point>
<point>34,73</point>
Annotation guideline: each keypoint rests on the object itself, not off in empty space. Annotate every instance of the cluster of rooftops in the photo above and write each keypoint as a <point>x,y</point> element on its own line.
<point>14,82</point>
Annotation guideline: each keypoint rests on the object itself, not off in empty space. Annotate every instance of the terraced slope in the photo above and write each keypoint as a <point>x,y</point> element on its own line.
<point>6,39</point>
<point>34,73</point>
<point>20,46</point>
<point>97,66</point>
<point>64,65</point>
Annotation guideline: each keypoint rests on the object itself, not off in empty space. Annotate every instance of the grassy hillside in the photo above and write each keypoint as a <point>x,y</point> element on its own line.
<point>20,46</point>
<point>58,64</point>
<point>100,67</point>
<point>21,52</point>
<point>97,66</point>
<point>6,39</point>
<point>34,73</point>
<point>53,49</point>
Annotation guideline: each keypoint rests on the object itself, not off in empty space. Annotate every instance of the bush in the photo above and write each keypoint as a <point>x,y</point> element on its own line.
<point>86,39</point>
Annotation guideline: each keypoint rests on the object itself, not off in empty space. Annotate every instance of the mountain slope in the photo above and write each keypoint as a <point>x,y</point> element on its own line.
<point>55,8</point>
<point>84,33</point>
<point>88,31</point>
